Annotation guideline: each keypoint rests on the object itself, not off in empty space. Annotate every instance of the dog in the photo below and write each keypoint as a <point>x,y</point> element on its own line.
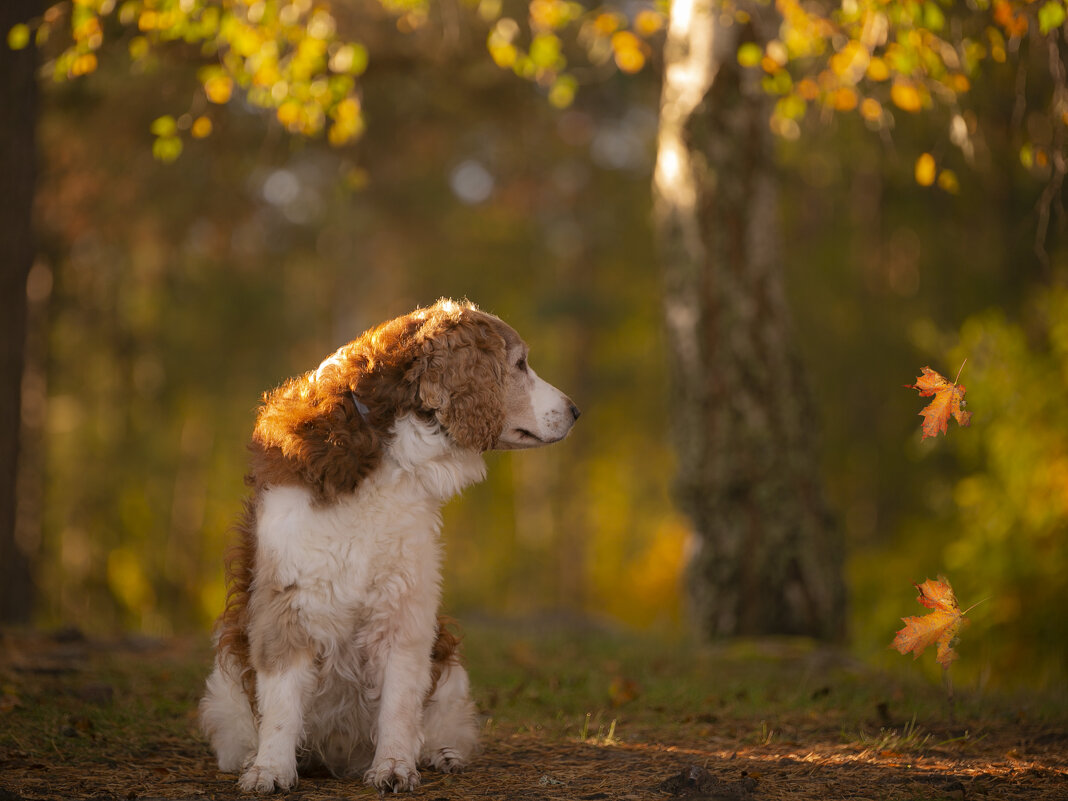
<point>330,652</point>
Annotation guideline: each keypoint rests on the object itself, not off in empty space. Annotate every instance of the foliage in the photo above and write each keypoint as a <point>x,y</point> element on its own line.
<point>606,37</point>
<point>873,57</point>
<point>284,56</point>
<point>288,55</point>
<point>1012,504</point>
<point>991,507</point>
<point>941,626</point>
<point>948,401</point>
<point>869,57</point>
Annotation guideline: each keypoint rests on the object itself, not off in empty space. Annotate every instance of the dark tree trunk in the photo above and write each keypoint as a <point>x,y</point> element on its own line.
<point>769,556</point>
<point>17,166</point>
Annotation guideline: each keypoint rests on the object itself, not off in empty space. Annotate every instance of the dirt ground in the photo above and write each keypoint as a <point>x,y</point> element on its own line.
<point>523,767</point>
<point>78,725</point>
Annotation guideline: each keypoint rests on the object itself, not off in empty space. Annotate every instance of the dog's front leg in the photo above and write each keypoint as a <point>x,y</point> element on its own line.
<point>281,652</point>
<point>281,696</point>
<point>400,715</point>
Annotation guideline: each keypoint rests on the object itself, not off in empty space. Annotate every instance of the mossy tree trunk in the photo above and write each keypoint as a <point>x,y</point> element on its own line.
<point>769,556</point>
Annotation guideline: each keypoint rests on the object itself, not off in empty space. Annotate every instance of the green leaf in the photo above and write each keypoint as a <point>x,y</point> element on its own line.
<point>1051,16</point>
<point>167,148</point>
<point>750,54</point>
<point>778,84</point>
<point>1027,156</point>
<point>19,36</point>
<point>562,93</point>
<point>545,50</point>
<point>791,107</point>
<point>933,18</point>
<point>164,126</point>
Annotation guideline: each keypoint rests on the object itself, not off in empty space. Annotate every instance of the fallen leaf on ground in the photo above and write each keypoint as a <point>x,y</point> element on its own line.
<point>623,690</point>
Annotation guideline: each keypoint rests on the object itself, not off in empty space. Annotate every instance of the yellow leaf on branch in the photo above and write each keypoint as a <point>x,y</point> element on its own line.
<point>218,88</point>
<point>906,96</point>
<point>925,170</point>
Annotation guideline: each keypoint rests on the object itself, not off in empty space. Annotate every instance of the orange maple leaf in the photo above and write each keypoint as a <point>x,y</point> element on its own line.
<point>939,627</point>
<point>948,400</point>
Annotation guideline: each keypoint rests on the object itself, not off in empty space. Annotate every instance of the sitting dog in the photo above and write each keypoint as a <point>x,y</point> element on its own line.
<point>330,651</point>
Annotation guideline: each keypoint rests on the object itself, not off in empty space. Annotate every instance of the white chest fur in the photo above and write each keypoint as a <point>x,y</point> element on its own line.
<point>374,549</point>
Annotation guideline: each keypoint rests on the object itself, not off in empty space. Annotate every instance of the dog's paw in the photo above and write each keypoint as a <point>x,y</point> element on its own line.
<point>235,761</point>
<point>398,775</point>
<point>447,760</point>
<point>268,778</point>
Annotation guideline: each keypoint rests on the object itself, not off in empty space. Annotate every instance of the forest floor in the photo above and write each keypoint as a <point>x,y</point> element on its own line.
<point>580,713</point>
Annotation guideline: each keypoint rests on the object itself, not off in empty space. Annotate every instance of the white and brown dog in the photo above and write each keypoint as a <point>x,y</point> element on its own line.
<point>330,650</point>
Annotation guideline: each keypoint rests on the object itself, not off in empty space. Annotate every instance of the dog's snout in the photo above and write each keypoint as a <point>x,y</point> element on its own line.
<point>575,412</point>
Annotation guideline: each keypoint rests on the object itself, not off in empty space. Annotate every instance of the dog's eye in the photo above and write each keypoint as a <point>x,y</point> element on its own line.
<point>521,365</point>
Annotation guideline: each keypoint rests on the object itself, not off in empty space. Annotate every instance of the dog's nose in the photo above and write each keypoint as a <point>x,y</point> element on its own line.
<point>575,413</point>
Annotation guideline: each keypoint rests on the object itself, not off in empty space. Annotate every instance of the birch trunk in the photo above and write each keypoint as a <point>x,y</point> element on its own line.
<point>768,556</point>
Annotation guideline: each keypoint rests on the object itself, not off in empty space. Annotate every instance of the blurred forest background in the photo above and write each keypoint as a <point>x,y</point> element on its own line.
<point>168,295</point>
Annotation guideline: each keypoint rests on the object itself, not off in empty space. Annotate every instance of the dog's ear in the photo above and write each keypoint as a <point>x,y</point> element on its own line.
<point>459,375</point>
<point>310,433</point>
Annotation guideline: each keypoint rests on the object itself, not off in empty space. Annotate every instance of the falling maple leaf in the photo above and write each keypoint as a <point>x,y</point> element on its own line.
<point>939,627</point>
<point>948,400</point>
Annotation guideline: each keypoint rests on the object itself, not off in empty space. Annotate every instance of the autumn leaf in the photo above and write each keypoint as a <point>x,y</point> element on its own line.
<point>948,400</point>
<point>623,690</point>
<point>939,627</point>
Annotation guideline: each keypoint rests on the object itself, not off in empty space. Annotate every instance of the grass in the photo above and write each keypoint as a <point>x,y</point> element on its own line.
<point>97,702</point>
<point>568,683</point>
<point>908,738</point>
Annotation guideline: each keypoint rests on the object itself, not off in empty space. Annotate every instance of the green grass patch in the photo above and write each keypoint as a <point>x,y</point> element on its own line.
<point>568,682</point>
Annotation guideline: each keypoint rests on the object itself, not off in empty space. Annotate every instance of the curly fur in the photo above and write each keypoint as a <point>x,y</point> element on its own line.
<point>330,648</point>
<point>444,363</point>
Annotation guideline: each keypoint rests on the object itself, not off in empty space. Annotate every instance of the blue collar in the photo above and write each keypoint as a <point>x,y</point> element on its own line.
<point>360,407</point>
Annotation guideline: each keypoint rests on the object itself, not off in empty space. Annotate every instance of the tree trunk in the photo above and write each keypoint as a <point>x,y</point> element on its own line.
<point>18,99</point>
<point>769,557</point>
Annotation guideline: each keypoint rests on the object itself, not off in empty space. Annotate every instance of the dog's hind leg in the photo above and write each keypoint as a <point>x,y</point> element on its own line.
<point>226,716</point>
<point>450,723</point>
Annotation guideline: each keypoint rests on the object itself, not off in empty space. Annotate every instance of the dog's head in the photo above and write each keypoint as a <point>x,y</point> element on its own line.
<point>473,374</point>
<point>450,364</point>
